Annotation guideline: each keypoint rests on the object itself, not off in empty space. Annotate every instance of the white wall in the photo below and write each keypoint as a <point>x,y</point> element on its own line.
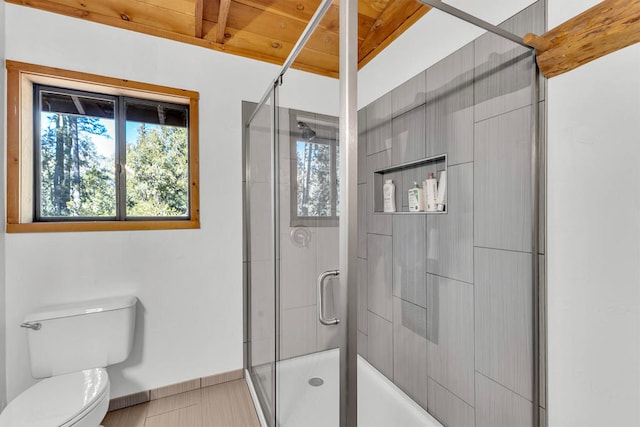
<point>593,250</point>
<point>435,36</point>
<point>3,381</point>
<point>189,282</point>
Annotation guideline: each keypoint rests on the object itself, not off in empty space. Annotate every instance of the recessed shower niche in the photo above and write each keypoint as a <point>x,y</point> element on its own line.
<point>403,176</point>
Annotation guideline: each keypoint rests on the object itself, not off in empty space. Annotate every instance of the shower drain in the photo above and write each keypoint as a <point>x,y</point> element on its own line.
<point>316,382</point>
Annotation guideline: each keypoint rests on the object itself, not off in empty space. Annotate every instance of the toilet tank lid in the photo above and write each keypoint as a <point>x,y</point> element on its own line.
<point>80,308</point>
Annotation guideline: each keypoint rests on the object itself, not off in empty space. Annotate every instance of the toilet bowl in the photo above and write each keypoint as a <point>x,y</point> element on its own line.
<point>70,347</point>
<point>78,399</point>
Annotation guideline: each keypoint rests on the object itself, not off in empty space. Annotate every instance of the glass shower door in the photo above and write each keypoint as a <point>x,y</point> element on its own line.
<point>261,256</point>
<point>307,374</point>
<point>292,187</point>
<point>297,297</point>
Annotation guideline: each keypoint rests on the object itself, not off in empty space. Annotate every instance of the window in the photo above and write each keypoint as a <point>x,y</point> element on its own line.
<point>107,157</point>
<point>315,162</point>
<point>95,153</point>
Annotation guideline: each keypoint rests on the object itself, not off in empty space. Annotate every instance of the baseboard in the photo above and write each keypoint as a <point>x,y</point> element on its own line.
<point>129,400</point>
<point>169,390</point>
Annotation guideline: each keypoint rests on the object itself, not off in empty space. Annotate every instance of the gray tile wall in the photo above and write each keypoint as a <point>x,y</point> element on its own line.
<point>450,236</point>
<point>498,406</point>
<point>363,204</point>
<point>542,206</point>
<point>450,107</point>
<point>363,295</point>
<point>380,344</point>
<point>380,223</point>
<point>379,125</point>
<point>409,95</point>
<point>449,307</point>
<point>449,408</point>
<point>408,136</point>
<point>503,70</point>
<point>379,277</point>
<point>451,335</point>
<point>503,318</point>
<point>410,349</point>
<point>409,258</point>
<point>362,147</point>
<point>502,184</point>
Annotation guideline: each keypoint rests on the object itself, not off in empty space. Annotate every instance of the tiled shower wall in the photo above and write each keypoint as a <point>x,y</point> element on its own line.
<point>445,301</point>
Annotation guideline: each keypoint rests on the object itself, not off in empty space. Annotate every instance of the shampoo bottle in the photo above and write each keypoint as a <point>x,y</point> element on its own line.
<point>389,192</point>
<point>431,189</point>
<point>416,199</point>
<point>442,189</point>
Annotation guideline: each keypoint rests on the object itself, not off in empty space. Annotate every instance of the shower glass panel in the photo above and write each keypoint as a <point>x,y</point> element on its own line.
<point>307,377</point>
<point>308,386</point>
<point>446,301</point>
<point>261,256</point>
<point>293,161</point>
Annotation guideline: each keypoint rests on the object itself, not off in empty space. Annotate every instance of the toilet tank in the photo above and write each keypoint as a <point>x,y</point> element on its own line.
<point>73,337</point>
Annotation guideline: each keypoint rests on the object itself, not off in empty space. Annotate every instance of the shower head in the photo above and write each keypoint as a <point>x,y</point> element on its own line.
<point>306,131</point>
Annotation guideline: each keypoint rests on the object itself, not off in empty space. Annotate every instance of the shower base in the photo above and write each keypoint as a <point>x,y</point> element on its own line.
<point>308,393</point>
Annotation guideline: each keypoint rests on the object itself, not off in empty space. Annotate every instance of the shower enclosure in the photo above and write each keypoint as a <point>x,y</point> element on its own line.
<point>405,318</point>
<point>292,160</point>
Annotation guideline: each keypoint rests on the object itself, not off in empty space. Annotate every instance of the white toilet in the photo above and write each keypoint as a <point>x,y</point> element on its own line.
<point>70,346</point>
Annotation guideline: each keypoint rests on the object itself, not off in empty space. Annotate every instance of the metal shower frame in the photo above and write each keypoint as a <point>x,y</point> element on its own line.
<point>348,172</point>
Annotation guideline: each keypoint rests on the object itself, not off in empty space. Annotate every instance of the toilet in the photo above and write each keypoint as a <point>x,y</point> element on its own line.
<point>70,347</point>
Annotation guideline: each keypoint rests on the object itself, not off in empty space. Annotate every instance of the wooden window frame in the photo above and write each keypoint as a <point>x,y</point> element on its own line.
<point>20,169</point>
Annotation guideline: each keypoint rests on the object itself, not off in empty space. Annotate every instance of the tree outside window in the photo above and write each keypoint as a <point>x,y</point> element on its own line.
<point>108,157</point>
<point>314,169</point>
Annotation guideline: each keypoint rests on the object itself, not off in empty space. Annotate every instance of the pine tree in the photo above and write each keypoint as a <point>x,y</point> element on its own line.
<point>314,179</point>
<point>158,172</point>
<point>75,180</point>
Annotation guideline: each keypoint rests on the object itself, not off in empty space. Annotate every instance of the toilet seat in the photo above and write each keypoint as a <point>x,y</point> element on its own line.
<point>60,401</point>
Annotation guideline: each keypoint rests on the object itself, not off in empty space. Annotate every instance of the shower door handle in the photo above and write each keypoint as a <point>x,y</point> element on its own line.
<point>320,285</point>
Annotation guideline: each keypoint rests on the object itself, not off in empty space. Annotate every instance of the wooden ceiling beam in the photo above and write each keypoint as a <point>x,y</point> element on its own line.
<point>210,12</point>
<point>605,28</point>
<point>223,15</point>
<point>199,18</point>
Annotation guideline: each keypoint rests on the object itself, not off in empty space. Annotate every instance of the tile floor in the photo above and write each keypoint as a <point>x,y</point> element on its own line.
<point>223,405</point>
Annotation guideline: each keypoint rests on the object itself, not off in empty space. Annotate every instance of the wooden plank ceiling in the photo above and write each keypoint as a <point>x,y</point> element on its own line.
<point>265,30</point>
